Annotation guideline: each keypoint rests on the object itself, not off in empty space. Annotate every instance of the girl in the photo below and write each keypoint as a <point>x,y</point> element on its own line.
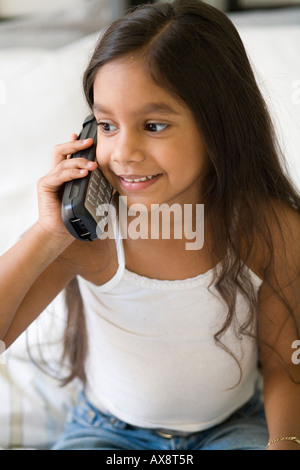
<point>170,339</point>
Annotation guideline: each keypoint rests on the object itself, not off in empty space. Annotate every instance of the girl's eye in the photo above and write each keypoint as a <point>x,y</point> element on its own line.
<point>155,127</point>
<point>106,127</point>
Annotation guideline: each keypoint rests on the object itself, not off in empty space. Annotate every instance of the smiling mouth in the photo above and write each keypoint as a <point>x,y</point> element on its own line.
<point>137,179</point>
<point>137,182</point>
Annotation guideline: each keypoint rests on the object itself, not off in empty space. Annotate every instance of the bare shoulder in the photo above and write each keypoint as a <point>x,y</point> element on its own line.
<point>288,216</point>
<point>95,261</point>
<point>278,253</point>
<point>276,241</point>
<point>279,295</point>
<point>284,223</point>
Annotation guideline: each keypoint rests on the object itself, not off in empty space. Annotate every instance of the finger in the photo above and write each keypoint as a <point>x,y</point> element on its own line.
<point>76,163</point>
<point>73,138</point>
<point>61,151</point>
<point>53,181</point>
<point>67,170</point>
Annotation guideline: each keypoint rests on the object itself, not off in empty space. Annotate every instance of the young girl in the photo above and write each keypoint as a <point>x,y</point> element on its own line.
<point>167,340</point>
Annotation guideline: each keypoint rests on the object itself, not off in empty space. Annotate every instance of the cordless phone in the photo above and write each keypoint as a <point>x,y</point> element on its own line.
<point>82,197</point>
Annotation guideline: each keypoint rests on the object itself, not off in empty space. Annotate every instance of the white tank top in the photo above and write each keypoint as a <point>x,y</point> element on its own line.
<point>152,358</point>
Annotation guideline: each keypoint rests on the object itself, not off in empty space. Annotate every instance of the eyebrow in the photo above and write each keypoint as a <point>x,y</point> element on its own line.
<point>161,108</point>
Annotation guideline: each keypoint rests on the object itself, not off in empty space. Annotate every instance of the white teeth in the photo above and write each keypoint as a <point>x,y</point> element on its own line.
<point>141,179</point>
<point>138,180</point>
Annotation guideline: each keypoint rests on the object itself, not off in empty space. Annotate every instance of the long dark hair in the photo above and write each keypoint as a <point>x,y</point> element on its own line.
<point>194,51</point>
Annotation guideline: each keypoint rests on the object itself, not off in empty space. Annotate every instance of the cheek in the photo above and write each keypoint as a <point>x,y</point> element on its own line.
<point>103,159</point>
<point>102,155</point>
<point>103,163</point>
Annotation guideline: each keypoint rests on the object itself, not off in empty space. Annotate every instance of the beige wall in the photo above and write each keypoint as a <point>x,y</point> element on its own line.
<point>21,7</point>
<point>216,3</point>
<point>257,3</point>
<point>221,4</point>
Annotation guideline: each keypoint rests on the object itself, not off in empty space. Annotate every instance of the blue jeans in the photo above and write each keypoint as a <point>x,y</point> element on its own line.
<point>87,428</point>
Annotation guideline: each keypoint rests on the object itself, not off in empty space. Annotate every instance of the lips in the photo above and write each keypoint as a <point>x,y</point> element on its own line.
<point>137,178</point>
<point>137,182</point>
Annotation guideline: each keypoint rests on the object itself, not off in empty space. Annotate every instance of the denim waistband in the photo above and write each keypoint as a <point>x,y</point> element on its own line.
<point>89,428</point>
<point>169,434</point>
<point>88,413</point>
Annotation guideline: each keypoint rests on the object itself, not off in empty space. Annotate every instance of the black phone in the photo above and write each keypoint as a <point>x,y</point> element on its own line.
<point>82,197</point>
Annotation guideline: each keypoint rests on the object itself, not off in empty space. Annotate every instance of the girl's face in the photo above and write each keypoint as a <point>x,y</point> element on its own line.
<point>149,147</point>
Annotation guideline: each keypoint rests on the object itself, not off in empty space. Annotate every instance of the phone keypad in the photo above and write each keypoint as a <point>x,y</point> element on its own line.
<point>99,192</point>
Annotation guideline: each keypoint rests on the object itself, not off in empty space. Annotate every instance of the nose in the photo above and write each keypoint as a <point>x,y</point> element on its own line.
<point>127,148</point>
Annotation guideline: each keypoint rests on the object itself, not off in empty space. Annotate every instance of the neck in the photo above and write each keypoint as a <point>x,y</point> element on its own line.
<point>163,222</point>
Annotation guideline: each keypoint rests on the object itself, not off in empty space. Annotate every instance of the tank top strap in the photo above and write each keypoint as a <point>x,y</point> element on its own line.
<point>119,243</point>
<point>115,233</point>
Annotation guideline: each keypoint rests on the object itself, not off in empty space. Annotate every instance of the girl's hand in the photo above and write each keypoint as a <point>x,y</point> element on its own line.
<point>63,169</point>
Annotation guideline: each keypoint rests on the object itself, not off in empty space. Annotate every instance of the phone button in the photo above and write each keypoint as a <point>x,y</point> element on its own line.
<point>80,228</point>
<point>92,203</point>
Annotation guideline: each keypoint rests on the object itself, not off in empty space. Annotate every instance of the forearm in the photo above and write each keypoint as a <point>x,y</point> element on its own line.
<point>21,266</point>
<point>282,407</point>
